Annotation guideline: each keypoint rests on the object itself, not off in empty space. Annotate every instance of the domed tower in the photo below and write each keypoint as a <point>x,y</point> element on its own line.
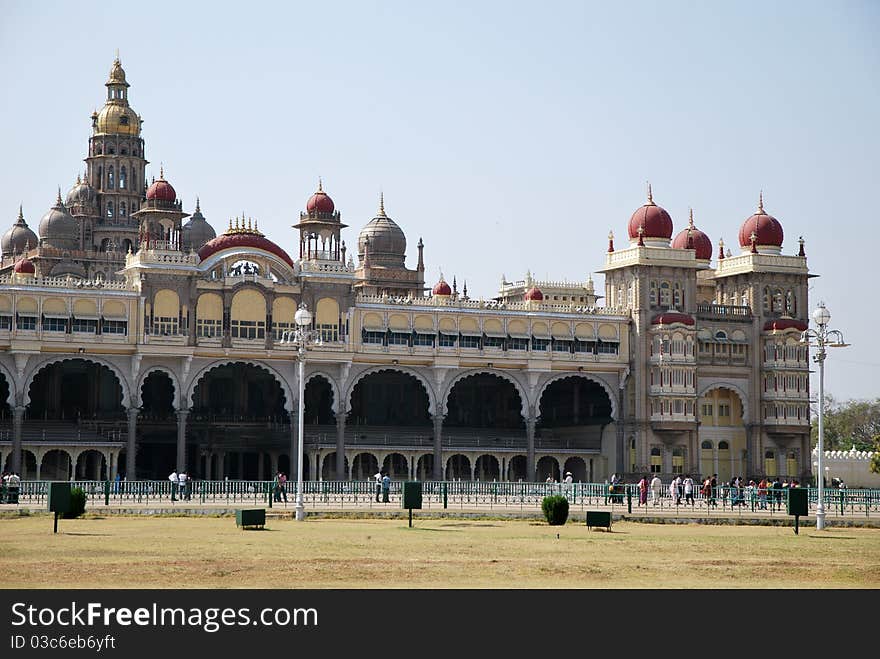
<point>319,229</point>
<point>17,239</point>
<point>160,217</point>
<point>116,166</point>
<point>82,204</point>
<point>58,229</point>
<point>197,231</point>
<point>382,256</point>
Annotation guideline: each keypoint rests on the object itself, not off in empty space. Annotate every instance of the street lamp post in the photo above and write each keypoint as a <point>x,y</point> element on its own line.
<point>821,338</point>
<point>301,338</point>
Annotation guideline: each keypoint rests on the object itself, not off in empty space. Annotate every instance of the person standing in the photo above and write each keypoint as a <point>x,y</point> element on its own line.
<point>378,478</point>
<point>174,482</point>
<point>282,486</point>
<point>713,484</point>
<point>386,488</point>
<point>183,485</point>
<point>689,490</point>
<point>643,491</point>
<point>656,489</point>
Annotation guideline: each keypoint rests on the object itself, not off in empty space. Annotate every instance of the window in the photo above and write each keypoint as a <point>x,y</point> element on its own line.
<point>278,329</point>
<point>470,341</point>
<point>208,328</point>
<point>561,346</point>
<point>54,324</point>
<point>85,325</point>
<point>420,339</point>
<point>241,329</point>
<point>723,409</point>
<point>656,461</point>
<point>654,301</point>
<point>606,348</point>
<point>447,340</point>
<point>540,344</point>
<point>664,294</point>
<point>517,344</point>
<point>329,332</point>
<point>109,209</point>
<point>114,327</point>
<point>676,296</point>
<point>677,460</point>
<point>374,337</point>
<point>122,177</point>
<point>111,179</point>
<point>493,342</point>
<point>721,335</point>
<point>398,339</point>
<point>5,322</point>
<point>122,209</point>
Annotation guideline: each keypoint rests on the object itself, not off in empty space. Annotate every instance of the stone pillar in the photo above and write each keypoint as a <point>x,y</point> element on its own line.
<point>17,420</point>
<point>181,439</point>
<point>39,460</point>
<point>98,468</point>
<point>340,446</point>
<point>438,447</point>
<point>131,445</point>
<point>530,448</point>
<point>113,465</point>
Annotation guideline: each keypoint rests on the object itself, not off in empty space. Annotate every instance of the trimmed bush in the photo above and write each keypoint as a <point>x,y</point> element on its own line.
<point>555,509</point>
<point>77,503</point>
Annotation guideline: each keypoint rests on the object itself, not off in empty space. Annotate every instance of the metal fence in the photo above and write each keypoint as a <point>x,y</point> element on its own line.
<point>442,495</point>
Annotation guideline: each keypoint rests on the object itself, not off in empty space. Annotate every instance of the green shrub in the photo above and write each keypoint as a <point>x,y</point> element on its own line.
<point>555,509</point>
<point>77,503</point>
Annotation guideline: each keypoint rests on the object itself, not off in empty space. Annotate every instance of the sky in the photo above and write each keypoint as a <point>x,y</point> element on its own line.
<point>508,136</point>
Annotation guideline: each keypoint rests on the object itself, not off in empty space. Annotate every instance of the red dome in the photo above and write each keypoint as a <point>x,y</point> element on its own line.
<point>654,219</point>
<point>24,266</point>
<point>670,317</point>
<point>534,293</point>
<point>161,190</point>
<point>767,229</point>
<point>229,240</point>
<point>781,324</point>
<point>441,288</point>
<point>320,202</point>
<point>693,238</point>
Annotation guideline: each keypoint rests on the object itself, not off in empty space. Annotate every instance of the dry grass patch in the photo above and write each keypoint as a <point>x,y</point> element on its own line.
<point>162,552</point>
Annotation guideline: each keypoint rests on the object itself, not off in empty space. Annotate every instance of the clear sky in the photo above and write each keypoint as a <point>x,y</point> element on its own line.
<point>509,136</point>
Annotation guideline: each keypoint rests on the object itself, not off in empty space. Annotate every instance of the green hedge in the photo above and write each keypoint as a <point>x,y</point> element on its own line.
<point>555,509</point>
<point>77,503</point>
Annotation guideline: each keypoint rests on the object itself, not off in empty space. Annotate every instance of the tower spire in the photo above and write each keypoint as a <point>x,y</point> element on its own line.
<point>650,195</point>
<point>381,204</point>
<point>761,203</point>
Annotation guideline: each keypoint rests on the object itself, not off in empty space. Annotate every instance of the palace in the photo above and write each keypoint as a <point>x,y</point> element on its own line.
<point>136,340</point>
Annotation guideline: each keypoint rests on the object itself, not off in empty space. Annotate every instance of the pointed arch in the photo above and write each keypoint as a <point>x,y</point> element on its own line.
<point>175,382</point>
<point>715,383</point>
<point>585,376</point>
<point>123,381</point>
<point>199,375</point>
<point>429,390</point>
<point>10,381</point>
<point>334,386</point>
<point>524,399</point>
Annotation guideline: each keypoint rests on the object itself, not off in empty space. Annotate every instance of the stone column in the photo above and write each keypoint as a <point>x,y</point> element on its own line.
<point>294,416</point>
<point>181,439</point>
<point>530,447</point>
<point>274,457</point>
<point>340,446</point>
<point>113,465</point>
<point>131,445</point>
<point>39,460</point>
<point>438,447</point>
<point>17,419</point>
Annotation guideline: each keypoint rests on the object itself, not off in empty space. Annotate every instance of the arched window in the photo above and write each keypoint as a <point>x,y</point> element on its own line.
<point>790,306</point>
<point>777,300</point>
<point>110,178</point>
<point>766,299</point>
<point>121,209</point>
<point>654,301</point>
<point>134,180</point>
<point>744,298</point>
<point>109,209</point>
<point>101,177</point>
<point>664,294</point>
<point>676,296</point>
<point>721,335</point>
<point>122,178</point>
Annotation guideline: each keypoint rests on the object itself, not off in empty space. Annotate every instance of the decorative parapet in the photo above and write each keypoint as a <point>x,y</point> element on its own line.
<point>724,312</point>
<point>645,255</point>
<point>753,262</point>
<point>326,267</point>
<point>491,305</point>
<point>161,257</point>
<point>65,282</point>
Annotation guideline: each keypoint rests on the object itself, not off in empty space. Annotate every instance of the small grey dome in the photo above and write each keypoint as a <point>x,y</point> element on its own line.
<point>18,238</point>
<point>196,232</point>
<point>67,267</point>
<point>81,194</point>
<point>387,241</point>
<point>58,228</point>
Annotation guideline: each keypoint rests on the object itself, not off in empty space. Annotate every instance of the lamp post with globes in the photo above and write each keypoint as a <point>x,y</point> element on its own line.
<point>821,338</point>
<point>301,338</point>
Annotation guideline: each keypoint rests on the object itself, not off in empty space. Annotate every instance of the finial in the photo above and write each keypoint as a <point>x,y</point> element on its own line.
<point>801,251</point>
<point>250,225</point>
<point>320,185</point>
<point>78,181</point>
<point>610,241</point>
<point>642,235</point>
<point>754,239</point>
<point>761,202</point>
<point>720,249</point>
<point>650,194</point>
<point>58,199</point>
<point>20,213</point>
<point>256,229</point>
<point>198,210</point>
<point>161,172</point>
<point>230,224</point>
<point>691,219</point>
<point>381,204</point>
<point>117,56</point>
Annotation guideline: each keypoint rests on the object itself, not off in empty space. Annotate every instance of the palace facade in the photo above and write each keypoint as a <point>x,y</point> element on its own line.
<point>134,339</point>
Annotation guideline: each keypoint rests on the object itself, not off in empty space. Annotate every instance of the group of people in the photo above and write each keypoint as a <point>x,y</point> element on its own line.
<point>180,485</point>
<point>383,486</point>
<point>10,484</point>
<point>682,490</point>
<point>279,487</point>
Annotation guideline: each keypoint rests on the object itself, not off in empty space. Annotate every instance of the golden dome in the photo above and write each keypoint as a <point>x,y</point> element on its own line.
<point>117,74</point>
<point>117,119</point>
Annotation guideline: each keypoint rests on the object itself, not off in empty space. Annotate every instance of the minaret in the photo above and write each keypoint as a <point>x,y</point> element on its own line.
<point>320,227</point>
<point>116,167</point>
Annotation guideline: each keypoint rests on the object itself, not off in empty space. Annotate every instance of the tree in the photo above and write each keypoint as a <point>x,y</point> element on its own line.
<point>854,423</point>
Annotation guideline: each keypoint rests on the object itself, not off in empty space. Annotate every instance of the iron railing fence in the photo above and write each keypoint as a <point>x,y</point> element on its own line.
<point>444,495</point>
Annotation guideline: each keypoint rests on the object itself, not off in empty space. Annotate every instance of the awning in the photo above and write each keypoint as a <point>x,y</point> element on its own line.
<point>58,316</point>
<point>373,328</point>
<point>518,335</point>
<point>114,317</point>
<point>541,335</point>
<point>471,333</point>
<point>85,317</point>
<point>496,335</point>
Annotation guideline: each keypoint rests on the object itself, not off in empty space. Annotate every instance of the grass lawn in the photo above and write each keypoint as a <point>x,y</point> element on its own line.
<point>211,552</point>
